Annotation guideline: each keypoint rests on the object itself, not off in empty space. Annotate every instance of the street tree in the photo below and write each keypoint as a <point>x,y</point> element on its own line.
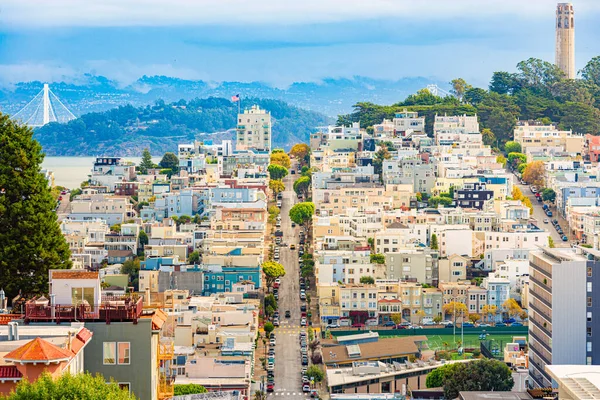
<point>272,271</point>
<point>302,213</point>
<point>455,308</point>
<point>489,310</point>
<point>481,375</point>
<point>420,314</point>
<point>30,237</point>
<point>69,387</point>
<point>276,186</point>
<point>534,173</point>
<point>277,171</point>
<point>515,159</point>
<point>367,280</point>
<point>301,152</point>
<point>302,185</point>
<point>315,373</point>
<point>169,161</point>
<point>474,317</point>
<point>549,195</point>
<point>512,147</point>
<point>268,327</point>
<point>281,159</point>
<point>511,307</point>
<point>396,318</point>
<point>194,257</point>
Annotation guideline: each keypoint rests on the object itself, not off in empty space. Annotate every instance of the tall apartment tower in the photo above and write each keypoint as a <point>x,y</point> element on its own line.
<point>565,39</point>
<point>254,130</point>
<point>564,310</point>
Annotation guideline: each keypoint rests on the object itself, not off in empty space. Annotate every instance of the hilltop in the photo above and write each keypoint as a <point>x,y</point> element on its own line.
<point>127,130</point>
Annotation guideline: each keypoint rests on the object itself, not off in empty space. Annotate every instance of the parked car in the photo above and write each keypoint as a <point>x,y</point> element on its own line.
<point>303,307</point>
<point>467,325</point>
<point>546,220</point>
<point>292,246</point>
<point>270,367</point>
<point>549,213</point>
<point>484,325</point>
<point>293,172</point>
<point>293,224</point>
<point>516,324</point>
<point>302,295</point>
<point>279,203</point>
<point>500,324</point>
<point>288,314</point>
<point>304,360</point>
<point>564,238</point>
<point>272,341</point>
<point>509,320</point>
<point>303,322</point>
<point>333,325</point>
<point>429,323</point>
<point>306,388</point>
<point>389,323</point>
<point>270,387</point>
<point>276,321</point>
<point>405,324</point>
<point>533,189</point>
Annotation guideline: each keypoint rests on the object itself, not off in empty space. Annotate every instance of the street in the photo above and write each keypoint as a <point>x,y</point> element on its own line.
<point>287,353</point>
<point>539,215</point>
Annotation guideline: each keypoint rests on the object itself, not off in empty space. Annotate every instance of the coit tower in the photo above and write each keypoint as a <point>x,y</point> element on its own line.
<point>565,39</point>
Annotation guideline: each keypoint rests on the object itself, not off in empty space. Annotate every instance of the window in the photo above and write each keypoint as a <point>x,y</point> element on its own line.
<point>589,331</point>
<point>124,386</point>
<point>589,271</point>
<point>589,347</point>
<point>109,350</point>
<point>589,316</point>
<point>81,295</point>
<point>124,353</point>
<point>589,301</point>
<point>589,286</point>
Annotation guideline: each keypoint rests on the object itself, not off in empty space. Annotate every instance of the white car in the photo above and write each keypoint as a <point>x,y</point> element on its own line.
<point>270,366</point>
<point>279,203</point>
<point>278,281</point>
<point>546,220</point>
<point>272,342</point>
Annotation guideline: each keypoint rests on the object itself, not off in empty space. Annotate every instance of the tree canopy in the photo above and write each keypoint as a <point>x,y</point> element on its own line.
<point>146,162</point>
<point>377,259</point>
<point>301,151</point>
<point>277,171</point>
<point>169,161</point>
<point>69,387</point>
<point>480,375</point>
<point>302,185</point>
<point>280,158</point>
<point>301,213</point>
<point>534,173</point>
<point>276,186</point>
<point>272,271</point>
<point>190,388</point>
<point>367,280</point>
<point>30,237</point>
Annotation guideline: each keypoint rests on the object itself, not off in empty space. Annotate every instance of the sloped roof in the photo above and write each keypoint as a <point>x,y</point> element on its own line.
<point>38,350</point>
<point>158,319</point>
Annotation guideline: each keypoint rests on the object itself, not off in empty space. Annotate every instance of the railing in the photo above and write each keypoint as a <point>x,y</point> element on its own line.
<point>116,309</point>
<point>166,390</point>
<point>6,318</point>
<point>166,350</point>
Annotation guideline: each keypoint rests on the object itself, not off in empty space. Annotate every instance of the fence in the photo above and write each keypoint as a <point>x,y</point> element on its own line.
<point>501,330</point>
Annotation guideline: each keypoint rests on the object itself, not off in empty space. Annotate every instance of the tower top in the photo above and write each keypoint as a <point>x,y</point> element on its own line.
<point>565,39</point>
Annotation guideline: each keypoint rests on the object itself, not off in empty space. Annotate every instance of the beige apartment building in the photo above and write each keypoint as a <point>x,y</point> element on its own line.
<point>254,130</point>
<point>533,136</point>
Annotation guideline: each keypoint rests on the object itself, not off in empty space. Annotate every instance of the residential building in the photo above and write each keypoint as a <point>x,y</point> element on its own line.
<point>254,130</point>
<point>534,136</point>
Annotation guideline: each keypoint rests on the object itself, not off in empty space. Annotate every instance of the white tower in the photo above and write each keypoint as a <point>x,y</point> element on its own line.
<point>565,39</point>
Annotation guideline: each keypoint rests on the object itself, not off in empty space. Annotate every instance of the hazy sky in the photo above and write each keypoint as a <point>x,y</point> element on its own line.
<point>281,41</point>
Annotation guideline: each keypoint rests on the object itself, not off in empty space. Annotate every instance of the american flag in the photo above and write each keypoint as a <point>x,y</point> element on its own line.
<point>235,98</point>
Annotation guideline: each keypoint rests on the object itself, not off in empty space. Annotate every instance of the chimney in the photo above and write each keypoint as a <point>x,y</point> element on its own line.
<point>147,295</point>
<point>2,300</point>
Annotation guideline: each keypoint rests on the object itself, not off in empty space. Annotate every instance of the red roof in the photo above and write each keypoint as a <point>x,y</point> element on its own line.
<point>84,335</point>
<point>9,371</point>
<point>390,301</point>
<point>38,350</point>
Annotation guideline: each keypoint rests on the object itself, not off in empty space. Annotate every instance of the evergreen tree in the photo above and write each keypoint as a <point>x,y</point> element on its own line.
<point>31,241</point>
<point>169,161</point>
<point>146,162</point>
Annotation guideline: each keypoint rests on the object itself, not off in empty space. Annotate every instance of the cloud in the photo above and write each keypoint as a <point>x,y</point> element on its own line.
<point>17,14</point>
<point>42,71</point>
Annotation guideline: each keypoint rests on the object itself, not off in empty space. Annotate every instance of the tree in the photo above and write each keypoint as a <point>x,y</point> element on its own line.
<point>367,280</point>
<point>276,186</point>
<point>511,307</point>
<point>455,308</point>
<point>474,317</point>
<point>516,193</point>
<point>512,147</point>
<point>281,159</point>
<point>438,318</point>
<point>420,314</point>
<point>488,137</point>
<point>116,228</point>
<point>534,173</point>
<point>539,74</point>
<point>315,373</point>
<point>270,302</point>
<point>132,268</point>
<point>169,161</point>
<point>69,387</point>
<point>516,159</point>
<point>377,259</point>
<point>276,171</point>
<point>260,395</point>
<point>434,242</point>
<point>268,327</point>
<point>190,388</point>
<point>302,185</point>
<point>550,242</point>
<point>549,195</point>
<point>435,378</point>
<point>194,257</point>
<point>459,87</point>
<point>272,271</point>
<point>143,239</point>
<point>503,83</point>
<point>301,152</point>
<point>489,310</point>
<point>591,71</point>
<point>482,375</point>
<point>146,162</point>
<point>30,237</point>
<point>500,159</point>
<point>396,318</point>
<point>381,155</point>
<point>301,213</point>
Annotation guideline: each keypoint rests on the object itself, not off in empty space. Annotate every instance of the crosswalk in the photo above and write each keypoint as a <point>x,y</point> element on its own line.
<point>288,394</point>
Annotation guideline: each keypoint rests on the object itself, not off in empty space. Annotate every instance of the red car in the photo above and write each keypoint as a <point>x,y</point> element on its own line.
<point>357,325</point>
<point>270,387</point>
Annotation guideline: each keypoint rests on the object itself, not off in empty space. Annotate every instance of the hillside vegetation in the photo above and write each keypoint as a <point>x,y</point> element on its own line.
<point>537,91</point>
<point>127,130</point>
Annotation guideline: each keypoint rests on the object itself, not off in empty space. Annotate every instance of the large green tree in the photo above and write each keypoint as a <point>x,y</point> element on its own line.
<point>30,239</point>
<point>169,161</point>
<point>277,171</point>
<point>69,387</point>
<point>481,375</point>
<point>272,271</point>
<point>302,185</point>
<point>302,213</point>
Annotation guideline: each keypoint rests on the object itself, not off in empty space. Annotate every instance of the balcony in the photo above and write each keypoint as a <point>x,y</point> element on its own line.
<point>166,353</point>
<point>112,309</point>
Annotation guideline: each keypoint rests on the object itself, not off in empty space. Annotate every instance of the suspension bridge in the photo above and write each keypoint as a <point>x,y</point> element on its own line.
<point>44,108</point>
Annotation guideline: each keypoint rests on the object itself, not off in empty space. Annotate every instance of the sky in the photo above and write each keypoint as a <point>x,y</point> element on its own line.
<point>281,41</point>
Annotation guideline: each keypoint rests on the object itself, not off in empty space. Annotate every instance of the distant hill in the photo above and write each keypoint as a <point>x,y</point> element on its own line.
<point>331,97</point>
<point>127,130</point>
